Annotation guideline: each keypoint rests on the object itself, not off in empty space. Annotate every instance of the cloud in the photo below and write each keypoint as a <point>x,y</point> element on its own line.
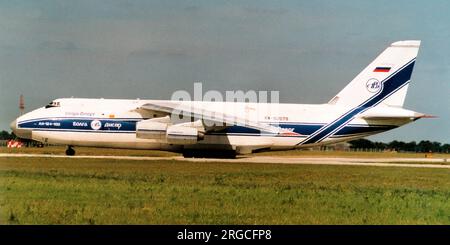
<point>265,11</point>
<point>57,45</point>
<point>192,8</point>
<point>149,53</point>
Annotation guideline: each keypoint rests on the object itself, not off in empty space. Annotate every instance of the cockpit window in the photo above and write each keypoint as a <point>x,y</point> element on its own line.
<point>52,104</point>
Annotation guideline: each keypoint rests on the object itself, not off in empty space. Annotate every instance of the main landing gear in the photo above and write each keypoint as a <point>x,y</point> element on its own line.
<point>70,151</point>
<point>224,154</point>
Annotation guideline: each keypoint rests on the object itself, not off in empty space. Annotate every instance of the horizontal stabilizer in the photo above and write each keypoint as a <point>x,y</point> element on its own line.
<point>393,113</point>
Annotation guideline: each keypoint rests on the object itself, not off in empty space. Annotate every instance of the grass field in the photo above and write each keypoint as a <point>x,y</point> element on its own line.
<point>101,191</point>
<point>60,150</point>
<point>88,151</point>
<point>360,154</point>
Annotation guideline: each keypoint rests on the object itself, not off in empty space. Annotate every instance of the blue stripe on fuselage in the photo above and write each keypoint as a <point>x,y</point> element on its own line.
<point>127,126</point>
<point>307,129</point>
<point>304,129</point>
<point>80,124</point>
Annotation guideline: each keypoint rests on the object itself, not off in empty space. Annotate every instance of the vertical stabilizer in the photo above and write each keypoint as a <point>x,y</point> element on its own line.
<point>384,81</point>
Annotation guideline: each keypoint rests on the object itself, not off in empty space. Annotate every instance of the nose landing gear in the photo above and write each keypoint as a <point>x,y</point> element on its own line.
<point>70,151</point>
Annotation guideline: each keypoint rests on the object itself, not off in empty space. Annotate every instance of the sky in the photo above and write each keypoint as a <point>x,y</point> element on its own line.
<point>306,50</point>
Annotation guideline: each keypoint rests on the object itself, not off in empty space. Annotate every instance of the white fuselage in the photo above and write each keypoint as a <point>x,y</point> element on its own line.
<point>112,123</point>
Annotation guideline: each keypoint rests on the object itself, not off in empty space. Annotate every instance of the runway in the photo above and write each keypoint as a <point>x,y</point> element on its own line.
<point>377,162</point>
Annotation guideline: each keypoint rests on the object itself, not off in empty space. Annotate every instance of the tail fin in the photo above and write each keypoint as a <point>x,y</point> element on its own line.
<point>384,81</point>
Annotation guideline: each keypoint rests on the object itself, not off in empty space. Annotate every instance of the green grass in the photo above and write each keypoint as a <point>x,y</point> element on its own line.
<point>353,154</point>
<point>88,151</point>
<point>101,191</point>
<point>60,150</point>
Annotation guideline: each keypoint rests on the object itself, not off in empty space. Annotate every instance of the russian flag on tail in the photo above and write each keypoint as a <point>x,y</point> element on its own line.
<point>382,69</point>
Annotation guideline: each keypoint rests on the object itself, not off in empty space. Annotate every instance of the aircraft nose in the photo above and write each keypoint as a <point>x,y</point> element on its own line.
<point>13,125</point>
<point>20,132</point>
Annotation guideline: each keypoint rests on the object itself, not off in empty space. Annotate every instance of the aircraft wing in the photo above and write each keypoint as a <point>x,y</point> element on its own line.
<point>212,120</point>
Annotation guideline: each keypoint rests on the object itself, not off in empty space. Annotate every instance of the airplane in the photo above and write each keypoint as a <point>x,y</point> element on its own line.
<point>371,103</point>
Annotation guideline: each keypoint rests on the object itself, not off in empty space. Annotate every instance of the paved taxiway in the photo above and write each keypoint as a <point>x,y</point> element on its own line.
<point>378,162</point>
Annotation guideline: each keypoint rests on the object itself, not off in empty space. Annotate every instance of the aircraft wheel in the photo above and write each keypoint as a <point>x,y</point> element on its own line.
<point>70,151</point>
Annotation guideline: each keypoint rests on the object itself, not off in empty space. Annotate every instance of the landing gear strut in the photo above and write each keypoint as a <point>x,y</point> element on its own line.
<point>70,151</point>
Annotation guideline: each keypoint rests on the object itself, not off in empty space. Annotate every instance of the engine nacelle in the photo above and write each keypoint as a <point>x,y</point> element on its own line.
<point>163,133</point>
<point>179,135</point>
<point>147,129</point>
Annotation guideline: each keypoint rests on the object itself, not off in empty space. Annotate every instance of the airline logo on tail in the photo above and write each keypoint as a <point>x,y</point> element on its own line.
<point>373,85</point>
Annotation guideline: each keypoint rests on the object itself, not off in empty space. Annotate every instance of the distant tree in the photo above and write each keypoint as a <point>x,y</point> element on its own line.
<point>411,146</point>
<point>436,147</point>
<point>380,145</point>
<point>4,135</point>
<point>361,144</point>
<point>445,148</point>
<point>422,146</point>
<point>425,146</point>
<point>397,145</point>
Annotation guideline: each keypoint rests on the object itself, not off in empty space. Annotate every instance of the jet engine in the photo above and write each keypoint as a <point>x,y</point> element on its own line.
<point>148,129</point>
<point>170,134</point>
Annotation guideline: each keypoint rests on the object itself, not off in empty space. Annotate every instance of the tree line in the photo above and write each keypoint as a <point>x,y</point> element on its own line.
<point>413,146</point>
<point>5,135</point>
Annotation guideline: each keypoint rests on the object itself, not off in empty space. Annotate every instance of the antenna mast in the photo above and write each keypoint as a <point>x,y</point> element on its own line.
<point>21,104</point>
